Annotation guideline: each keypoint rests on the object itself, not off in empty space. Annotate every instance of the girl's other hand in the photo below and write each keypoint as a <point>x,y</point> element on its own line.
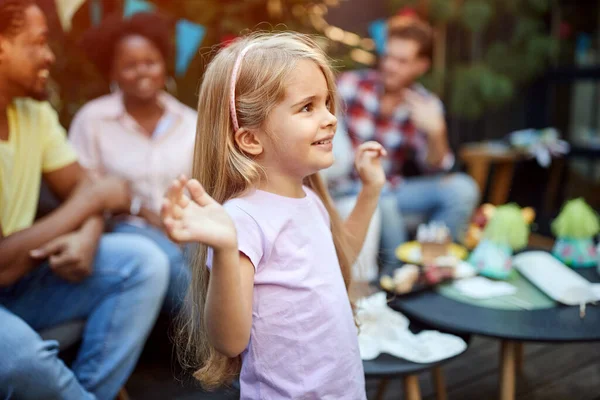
<point>368,164</point>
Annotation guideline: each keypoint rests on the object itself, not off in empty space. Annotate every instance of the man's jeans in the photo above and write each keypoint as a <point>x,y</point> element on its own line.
<point>120,302</point>
<point>179,275</point>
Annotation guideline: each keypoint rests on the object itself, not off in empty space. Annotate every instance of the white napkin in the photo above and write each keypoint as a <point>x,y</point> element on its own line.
<point>596,290</point>
<point>383,330</point>
<point>480,287</point>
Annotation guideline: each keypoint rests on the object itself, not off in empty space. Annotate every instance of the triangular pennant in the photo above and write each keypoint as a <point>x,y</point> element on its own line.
<point>132,7</point>
<point>189,36</point>
<point>378,32</point>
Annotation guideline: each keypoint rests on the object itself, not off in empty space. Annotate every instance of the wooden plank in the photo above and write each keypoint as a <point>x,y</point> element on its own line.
<point>582,384</point>
<point>542,368</point>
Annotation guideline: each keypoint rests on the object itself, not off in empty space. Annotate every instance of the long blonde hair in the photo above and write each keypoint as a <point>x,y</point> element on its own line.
<point>226,172</point>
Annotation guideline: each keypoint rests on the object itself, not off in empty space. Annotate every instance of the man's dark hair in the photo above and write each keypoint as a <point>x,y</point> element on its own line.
<point>12,15</point>
<point>99,43</point>
<point>412,28</point>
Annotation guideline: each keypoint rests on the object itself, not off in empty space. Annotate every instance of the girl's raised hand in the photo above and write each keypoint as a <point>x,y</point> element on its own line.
<point>368,164</point>
<point>197,218</point>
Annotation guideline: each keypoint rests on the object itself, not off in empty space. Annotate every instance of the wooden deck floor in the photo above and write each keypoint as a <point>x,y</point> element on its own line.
<point>551,372</point>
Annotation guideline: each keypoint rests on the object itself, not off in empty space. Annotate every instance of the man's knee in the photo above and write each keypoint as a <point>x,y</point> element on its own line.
<point>136,258</point>
<point>462,189</point>
<point>26,359</point>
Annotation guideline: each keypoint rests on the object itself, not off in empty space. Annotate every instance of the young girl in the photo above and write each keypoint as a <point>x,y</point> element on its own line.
<point>269,300</point>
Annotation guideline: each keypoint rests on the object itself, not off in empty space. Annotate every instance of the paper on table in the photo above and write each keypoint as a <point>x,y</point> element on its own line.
<point>480,287</point>
<point>383,330</point>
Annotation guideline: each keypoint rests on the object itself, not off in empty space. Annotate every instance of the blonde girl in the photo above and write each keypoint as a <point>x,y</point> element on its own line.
<point>268,298</point>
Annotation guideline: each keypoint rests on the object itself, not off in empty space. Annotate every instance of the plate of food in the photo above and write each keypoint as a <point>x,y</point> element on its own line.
<point>433,240</point>
<point>411,278</point>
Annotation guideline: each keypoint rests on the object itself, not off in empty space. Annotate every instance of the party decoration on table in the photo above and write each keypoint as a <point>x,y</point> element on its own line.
<point>541,144</point>
<point>575,228</point>
<point>482,216</point>
<point>506,232</point>
<point>434,239</point>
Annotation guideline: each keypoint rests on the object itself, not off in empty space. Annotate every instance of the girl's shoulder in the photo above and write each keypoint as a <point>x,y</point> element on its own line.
<point>318,203</point>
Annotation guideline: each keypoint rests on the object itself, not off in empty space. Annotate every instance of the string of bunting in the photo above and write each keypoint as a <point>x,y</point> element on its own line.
<point>188,35</point>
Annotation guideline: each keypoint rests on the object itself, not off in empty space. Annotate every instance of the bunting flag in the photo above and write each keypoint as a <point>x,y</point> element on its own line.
<point>189,35</point>
<point>188,38</point>
<point>96,11</point>
<point>378,32</point>
<point>135,6</point>
<point>65,10</point>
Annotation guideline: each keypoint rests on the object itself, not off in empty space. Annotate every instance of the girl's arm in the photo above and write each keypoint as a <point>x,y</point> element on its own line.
<point>228,309</point>
<point>357,223</point>
<point>368,165</point>
<point>228,305</point>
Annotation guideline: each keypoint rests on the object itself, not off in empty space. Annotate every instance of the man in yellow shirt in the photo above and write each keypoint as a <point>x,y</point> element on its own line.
<point>61,268</point>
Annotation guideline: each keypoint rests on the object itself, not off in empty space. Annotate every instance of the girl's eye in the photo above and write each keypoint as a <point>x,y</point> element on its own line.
<point>307,108</point>
<point>328,104</point>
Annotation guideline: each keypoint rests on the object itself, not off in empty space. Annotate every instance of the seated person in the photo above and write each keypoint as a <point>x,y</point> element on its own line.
<point>61,268</point>
<point>139,132</point>
<point>389,106</point>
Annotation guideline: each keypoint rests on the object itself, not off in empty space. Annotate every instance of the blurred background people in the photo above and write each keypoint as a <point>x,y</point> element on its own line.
<point>138,132</point>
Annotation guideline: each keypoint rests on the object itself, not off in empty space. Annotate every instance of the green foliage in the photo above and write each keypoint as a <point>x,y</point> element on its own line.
<point>508,42</point>
<point>476,14</point>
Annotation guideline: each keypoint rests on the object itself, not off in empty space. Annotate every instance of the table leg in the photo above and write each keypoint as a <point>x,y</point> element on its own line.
<point>381,389</point>
<point>439,383</point>
<point>501,182</point>
<point>412,390</point>
<point>507,370</point>
<point>519,358</point>
<point>479,169</point>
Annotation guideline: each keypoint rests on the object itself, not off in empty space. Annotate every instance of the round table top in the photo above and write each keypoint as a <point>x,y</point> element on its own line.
<point>558,324</point>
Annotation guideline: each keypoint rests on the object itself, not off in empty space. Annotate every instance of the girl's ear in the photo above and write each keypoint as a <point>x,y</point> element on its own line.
<point>248,141</point>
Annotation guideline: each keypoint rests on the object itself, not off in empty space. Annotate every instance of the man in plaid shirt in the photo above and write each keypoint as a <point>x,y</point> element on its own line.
<point>387,105</point>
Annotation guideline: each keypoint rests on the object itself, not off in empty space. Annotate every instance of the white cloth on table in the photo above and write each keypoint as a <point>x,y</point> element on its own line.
<point>480,287</point>
<point>383,330</point>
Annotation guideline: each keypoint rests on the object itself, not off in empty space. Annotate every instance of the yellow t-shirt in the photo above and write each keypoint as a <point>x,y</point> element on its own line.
<point>36,144</point>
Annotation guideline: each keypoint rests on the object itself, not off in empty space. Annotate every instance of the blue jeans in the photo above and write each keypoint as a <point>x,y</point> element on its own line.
<point>120,302</point>
<point>447,198</point>
<point>179,275</point>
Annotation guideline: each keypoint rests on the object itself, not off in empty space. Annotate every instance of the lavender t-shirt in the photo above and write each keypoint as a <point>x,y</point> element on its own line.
<point>303,343</point>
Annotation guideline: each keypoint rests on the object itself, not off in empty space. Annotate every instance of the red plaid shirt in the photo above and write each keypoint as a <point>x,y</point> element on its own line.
<point>360,92</point>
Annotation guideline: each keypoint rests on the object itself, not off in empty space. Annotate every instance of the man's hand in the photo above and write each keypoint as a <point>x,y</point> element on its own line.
<point>70,256</point>
<point>425,113</point>
<point>114,192</point>
<point>368,164</point>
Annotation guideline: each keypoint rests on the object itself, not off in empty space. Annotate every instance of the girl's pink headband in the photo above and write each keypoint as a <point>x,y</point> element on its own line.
<point>234,74</point>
